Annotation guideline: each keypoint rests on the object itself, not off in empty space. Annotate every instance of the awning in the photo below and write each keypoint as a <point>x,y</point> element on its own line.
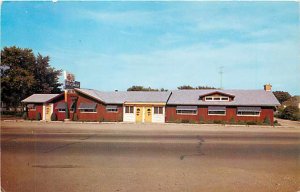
<point>190,108</point>
<point>60,106</point>
<point>247,109</point>
<point>87,106</point>
<point>30,106</point>
<point>113,107</point>
<point>216,108</point>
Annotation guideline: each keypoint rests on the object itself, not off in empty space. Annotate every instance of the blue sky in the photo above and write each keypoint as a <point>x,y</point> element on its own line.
<point>114,45</point>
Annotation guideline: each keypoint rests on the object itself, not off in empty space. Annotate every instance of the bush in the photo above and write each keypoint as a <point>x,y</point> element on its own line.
<point>25,116</point>
<point>232,121</point>
<point>201,119</point>
<point>38,116</point>
<point>67,111</point>
<point>267,121</point>
<point>53,117</point>
<point>75,117</point>
<point>251,123</point>
<point>185,121</point>
<point>290,112</point>
<point>218,122</point>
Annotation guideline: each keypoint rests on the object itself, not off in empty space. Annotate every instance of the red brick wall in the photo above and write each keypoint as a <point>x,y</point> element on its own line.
<point>100,115</point>
<point>230,113</point>
<point>32,114</point>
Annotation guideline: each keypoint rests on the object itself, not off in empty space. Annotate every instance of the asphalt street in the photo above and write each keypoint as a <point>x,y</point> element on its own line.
<point>144,159</point>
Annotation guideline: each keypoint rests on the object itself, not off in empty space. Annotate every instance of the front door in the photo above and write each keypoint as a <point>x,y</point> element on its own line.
<point>139,114</point>
<point>48,112</point>
<point>148,114</point>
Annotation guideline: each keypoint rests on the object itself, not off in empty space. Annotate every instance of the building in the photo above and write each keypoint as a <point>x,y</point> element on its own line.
<point>158,107</point>
<point>42,104</point>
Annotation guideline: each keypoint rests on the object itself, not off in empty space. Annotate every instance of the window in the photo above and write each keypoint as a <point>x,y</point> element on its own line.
<point>61,110</point>
<point>129,109</point>
<point>88,107</point>
<point>88,110</point>
<point>112,108</point>
<point>216,110</point>
<point>61,107</point>
<point>186,110</point>
<point>216,98</point>
<point>248,111</point>
<point>158,110</point>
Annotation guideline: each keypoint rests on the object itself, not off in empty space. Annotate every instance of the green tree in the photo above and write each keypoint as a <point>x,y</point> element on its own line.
<point>282,96</point>
<point>25,74</point>
<point>290,112</point>
<point>188,87</point>
<point>184,87</point>
<point>140,88</point>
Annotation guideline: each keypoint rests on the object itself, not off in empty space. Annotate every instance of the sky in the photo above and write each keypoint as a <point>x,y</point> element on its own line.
<point>114,45</point>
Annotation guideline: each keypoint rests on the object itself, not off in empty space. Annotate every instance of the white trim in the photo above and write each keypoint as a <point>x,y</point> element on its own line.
<point>213,98</point>
<point>44,112</point>
<point>217,114</point>
<point>248,115</point>
<point>187,113</point>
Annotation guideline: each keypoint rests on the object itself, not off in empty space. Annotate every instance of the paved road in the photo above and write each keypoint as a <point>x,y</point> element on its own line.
<point>50,158</point>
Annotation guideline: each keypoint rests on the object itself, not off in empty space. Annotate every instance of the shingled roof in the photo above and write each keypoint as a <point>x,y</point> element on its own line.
<point>40,98</point>
<point>242,98</point>
<point>120,97</point>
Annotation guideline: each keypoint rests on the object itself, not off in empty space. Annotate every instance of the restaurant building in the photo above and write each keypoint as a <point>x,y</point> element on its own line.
<point>194,106</point>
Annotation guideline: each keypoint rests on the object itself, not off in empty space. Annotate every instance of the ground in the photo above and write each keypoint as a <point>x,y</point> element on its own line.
<point>59,156</point>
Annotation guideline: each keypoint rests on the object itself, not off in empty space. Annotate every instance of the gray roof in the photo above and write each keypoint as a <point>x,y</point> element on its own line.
<point>120,97</point>
<point>40,98</point>
<point>242,98</point>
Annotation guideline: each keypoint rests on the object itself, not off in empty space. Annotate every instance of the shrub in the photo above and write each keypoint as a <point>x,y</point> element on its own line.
<point>267,121</point>
<point>201,119</point>
<point>25,116</point>
<point>53,117</point>
<point>251,123</point>
<point>101,119</point>
<point>38,116</point>
<point>67,111</point>
<point>75,117</point>
<point>185,121</point>
<point>218,122</point>
<point>289,112</point>
<point>232,121</point>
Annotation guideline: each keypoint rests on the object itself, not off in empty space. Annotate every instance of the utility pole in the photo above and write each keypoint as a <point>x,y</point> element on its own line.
<point>221,77</point>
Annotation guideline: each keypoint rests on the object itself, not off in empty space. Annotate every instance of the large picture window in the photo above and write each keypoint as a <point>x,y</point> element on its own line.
<point>158,110</point>
<point>248,111</point>
<point>186,110</point>
<point>88,107</point>
<point>61,107</point>
<point>129,109</point>
<point>112,108</point>
<point>216,110</point>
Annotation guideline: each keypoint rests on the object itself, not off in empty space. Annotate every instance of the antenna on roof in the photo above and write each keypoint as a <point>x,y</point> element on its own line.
<point>221,76</point>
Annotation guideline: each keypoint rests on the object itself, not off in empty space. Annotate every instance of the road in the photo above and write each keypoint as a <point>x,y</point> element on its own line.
<point>131,157</point>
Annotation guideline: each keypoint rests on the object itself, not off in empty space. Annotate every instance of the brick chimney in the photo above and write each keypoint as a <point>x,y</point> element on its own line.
<point>268,87</point>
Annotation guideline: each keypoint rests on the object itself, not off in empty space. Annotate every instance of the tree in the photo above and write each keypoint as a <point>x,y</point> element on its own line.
<point>282,96</point>
<point>183,87</point>
<point>290,112</point>
<point>188,87</point>
<point>25,74</point>
<point>140,88</point>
